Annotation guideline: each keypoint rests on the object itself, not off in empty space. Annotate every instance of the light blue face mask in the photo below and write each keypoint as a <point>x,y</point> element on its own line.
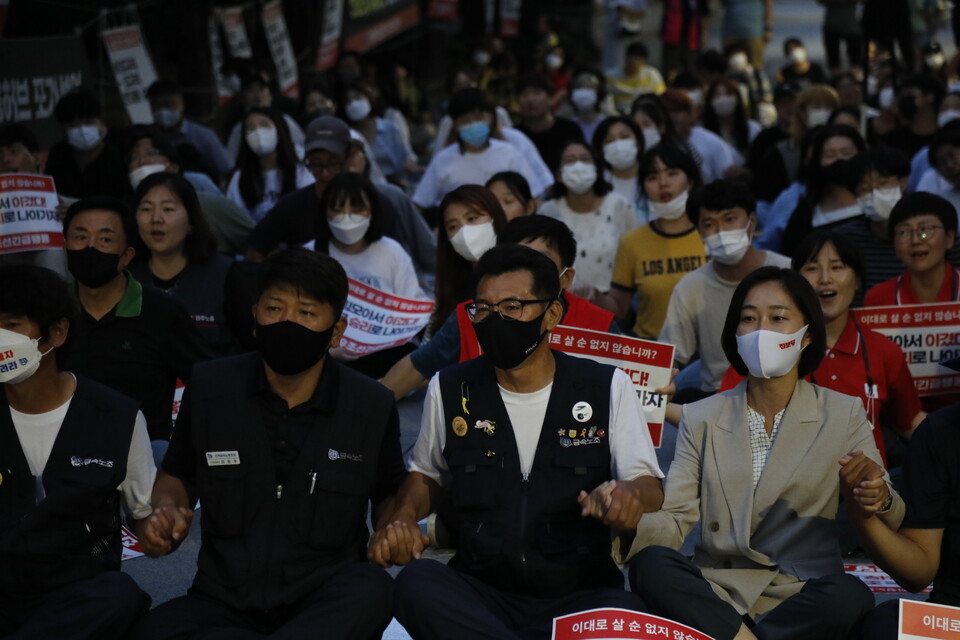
<point>475,134</point>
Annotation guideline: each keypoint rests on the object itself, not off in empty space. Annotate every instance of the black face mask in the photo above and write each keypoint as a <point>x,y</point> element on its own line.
<point>509,342</point>
<point>290,348</point>
<point>91,267</point>
<point>907,106</point>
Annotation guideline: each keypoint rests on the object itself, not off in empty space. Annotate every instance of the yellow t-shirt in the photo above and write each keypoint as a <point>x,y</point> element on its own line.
<point>651,263</point>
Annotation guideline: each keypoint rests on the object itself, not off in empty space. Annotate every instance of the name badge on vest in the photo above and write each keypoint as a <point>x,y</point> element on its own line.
<point>222,458</point>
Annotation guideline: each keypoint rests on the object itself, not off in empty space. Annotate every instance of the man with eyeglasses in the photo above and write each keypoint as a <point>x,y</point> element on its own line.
<point>545,455</point>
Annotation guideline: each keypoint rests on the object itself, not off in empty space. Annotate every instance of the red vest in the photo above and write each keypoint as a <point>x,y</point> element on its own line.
<point>580,314</point>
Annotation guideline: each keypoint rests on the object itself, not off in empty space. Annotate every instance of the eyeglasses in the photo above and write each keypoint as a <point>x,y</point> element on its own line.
<point>924,232</point>
<point>508,309</point>
<point>317,167</point>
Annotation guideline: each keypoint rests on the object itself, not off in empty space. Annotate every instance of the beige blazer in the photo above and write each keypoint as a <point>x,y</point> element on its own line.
<point>758,546</point>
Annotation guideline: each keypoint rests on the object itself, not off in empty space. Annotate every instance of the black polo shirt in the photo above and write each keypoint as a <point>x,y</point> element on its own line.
<point>139,348</point>
<point>105,176</point>
<point>552,141</point>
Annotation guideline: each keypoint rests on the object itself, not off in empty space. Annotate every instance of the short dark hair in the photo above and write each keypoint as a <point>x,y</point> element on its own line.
<point>106,203</point>
<point>554,233</point>
<point>534,81</point>
<point>600,186</point>
<point>790,43</point>
<point>802,294</point>
<point>136,133</point>
<point>508,258</point>
<point>713,61</point>
<point>725,193</point>
<point>515,182</point>
<point>78,103</point>
<point>164,88</point>
<point>37,293</point>
<point>466,100</point>
<point>316,274</point>
<point>888,161</point>
<point>200,244</point>
<point>928,84</point>
<point>604,127</point>
<point>846,248</point>
<point>673,157</point>
<point>920,203</point>
<point>352,188</point>
<point>17,132</point>
<point>638,50</point>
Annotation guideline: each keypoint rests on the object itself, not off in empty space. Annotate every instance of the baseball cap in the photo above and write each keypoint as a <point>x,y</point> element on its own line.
<point>328,133</point>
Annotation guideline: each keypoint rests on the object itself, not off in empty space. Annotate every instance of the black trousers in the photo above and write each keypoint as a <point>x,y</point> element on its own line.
<point>828,608</point>
<point>882,623</point>
<point>354,604</point>
<point>436,602</point>
<point>103,607</point>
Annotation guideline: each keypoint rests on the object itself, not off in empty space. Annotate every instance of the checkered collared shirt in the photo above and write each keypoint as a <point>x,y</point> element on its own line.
<point>760,442</point>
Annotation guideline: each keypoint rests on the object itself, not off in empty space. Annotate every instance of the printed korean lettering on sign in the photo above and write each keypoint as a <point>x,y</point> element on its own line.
<point>329,47</point>
<point>378,320</point>
<point>216,60</point>
<point>133,70</point>
<point>275,28</point>
<point>236,32</point>
<point>28,213</point>
<point>621,624</point>
<point>929,335</point>
<point>876,578</point>
<point>928,621</point>
<point>649,365</point>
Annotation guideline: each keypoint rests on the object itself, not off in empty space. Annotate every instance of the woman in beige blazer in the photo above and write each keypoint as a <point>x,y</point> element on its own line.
<point>761,467</point>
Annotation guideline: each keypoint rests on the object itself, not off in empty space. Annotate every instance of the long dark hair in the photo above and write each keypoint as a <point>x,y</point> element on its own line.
<point>351,188</point>
<point>248,163</point>
<point>199,245</point>
<point>454,273</point>
<point>711,121</point>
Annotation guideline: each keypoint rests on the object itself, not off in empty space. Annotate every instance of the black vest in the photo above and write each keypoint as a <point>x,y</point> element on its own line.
<point>259,551</point>
<point>74,533</point>
<point>526,535</point>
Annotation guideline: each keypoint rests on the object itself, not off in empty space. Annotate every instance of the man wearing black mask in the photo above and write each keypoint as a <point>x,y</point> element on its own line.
<point>917,106</point>
<point>520,436</point>
<point>285,449</point>
<point>128,337</point>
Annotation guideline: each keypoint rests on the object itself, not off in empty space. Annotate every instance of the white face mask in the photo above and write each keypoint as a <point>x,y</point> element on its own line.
<point>358,109</point>
<point>348,228</point>
<point>798,55</point>
<point>651,137</point>
<point>695,95</point>
<point>728,247</point>
<point>578,177</point>
<point>584,98</point>
<point>262,140</point>
<point>554,62</point>
<point>724,105</point>
<point>885,99</point>
<point>672,209</point>
<point>817,117</point>
<point>769,354</point>
<point>947,116</point>
<point>141,172</point>
<point>935,61</point>
<point>739,62</point>
<point>84,137</point>
<point>481,58</point>
<point>872,84</point>
<point>167,118</point>
<point>473,240</point>
<point>621,154</point>
<point>19,357</point>
<point>878,204</point>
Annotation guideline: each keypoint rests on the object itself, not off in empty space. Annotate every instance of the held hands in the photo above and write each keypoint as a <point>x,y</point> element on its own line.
<point>164,529</point>
<point>615,504</point>
<point>398,543</point>
<point>862,485</point>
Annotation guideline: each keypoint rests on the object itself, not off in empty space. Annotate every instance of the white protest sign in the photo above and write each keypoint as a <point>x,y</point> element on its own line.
<point>133,70</point>
<point>216,60</point>
<point>281,50</point>
<point>649,365</point>
<point>928,621</point>
<point>330,37</point>
<point>928,334</point>
<point>876,578</point>
<point>131,544</point>
<point>236,32</point>
<point>378,320</point>
<point>621,624</point>
<point>28,216</point>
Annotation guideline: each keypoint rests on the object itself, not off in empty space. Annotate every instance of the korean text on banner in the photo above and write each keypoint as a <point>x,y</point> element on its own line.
<point>236,32</point>
<point>876,578</point>
<point>330,37</point>
<point>928,621</point>
<point>216,60</point>
<point>275,28</point>
<point>649,365</point>
<point>378,320</point>
<point>133,70</point>
<point>928,334</point>
<point>621,624</point>
<point>28,213</point>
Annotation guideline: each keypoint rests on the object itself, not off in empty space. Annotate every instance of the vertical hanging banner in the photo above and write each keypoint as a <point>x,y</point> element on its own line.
<point>330,36</point>
<point>216,59</point>
<point>510,18</point>
<point>275,28</point>
<point>133,70</point>
<point>372,22</point>
<point>236,32</point>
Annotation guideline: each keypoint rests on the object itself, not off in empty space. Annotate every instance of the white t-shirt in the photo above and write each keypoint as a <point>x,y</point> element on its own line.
<point>531,154</point>
<point>272,190</point>
<point>631,450</point>
<point>933,182</point>
<point>598,235</point>
<point>450,169</point>
<point>37,433</point>
<point>696,315</point>
<point>716,156</point>
<point>296,137</point>
<point>384,265</point>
